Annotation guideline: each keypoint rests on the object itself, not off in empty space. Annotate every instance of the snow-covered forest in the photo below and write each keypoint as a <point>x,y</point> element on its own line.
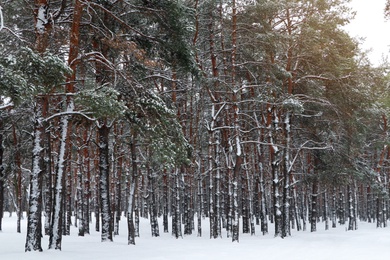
<point>253,117</point>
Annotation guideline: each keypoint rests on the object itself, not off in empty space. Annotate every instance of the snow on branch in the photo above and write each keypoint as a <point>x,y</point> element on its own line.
<point>67,113</point>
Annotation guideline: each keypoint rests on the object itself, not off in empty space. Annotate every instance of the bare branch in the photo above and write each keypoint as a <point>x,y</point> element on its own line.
<point>67,113</point>
<point>1,19</point>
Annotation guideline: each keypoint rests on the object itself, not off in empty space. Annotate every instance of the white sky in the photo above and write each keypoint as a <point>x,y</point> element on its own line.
<point>370,23</point>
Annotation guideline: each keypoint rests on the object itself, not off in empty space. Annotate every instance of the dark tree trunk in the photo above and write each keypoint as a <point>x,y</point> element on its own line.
<point>34,225</point>
<point>86,184</point>
<point>105,206</point>
<point>18,185</point>
<point>165,199</point>
<point>48,181</point>
<point>314,209</point>
<point>176,213</point>
<point>1,173</point>
<point>153,202</point>
<point>132,193</point>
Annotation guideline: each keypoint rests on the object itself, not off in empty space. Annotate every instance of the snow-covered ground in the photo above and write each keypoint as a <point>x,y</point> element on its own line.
<point>368,242</point>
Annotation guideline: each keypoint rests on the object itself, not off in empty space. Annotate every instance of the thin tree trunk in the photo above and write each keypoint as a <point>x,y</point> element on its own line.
<point>314,210</point>
<point>286,177</point>
<point>18,178</point>
<point>132,190</point>
<point>2,176</point>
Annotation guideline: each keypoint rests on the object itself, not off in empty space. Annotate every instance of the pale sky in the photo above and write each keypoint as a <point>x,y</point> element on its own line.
<point>370,23</point>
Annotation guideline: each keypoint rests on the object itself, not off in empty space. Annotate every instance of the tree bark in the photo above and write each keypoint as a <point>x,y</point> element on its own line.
<point>105,206</point>
<point>34,229</point>
<point>1,172</point>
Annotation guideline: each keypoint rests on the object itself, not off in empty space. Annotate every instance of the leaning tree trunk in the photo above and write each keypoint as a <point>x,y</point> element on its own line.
<point>57,214</point>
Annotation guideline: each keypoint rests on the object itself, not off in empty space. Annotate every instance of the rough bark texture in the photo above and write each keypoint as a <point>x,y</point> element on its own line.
<point>34,232</point>
<point>1,173</point>
<point>104,168</point>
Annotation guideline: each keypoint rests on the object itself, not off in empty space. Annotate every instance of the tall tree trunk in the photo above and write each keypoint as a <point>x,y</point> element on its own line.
<point>105,206</point>
<point>86,184</point>
<point>314,208</point>
<point>286,177</point>
<point>2,176</point>
<point>57,214</point>
<point>165,201</point>
<point>57,221</point>
<point>275,168</point>
<point>34,228</point>
<point>18,178</point>
<point>48,175</point>
<point>132,191</point>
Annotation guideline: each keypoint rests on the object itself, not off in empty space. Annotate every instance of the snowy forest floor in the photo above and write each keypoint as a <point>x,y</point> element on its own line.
<point>368,242</point>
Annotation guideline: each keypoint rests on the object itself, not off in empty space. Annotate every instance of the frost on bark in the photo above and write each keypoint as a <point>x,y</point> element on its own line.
<point>105,206</point>
<point>34,228</point>
<point>132,193</point>
<point>200,200</point>
<point>176,213</point>
<point>48,178</point>
<point>80,198</point>
<point>165,201</point>
<point>153,209</point>
<point>286,178</point>
<point>275,168</point>
<point>57,215</point>
<point>314,210</point>
<point>1,172</point>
